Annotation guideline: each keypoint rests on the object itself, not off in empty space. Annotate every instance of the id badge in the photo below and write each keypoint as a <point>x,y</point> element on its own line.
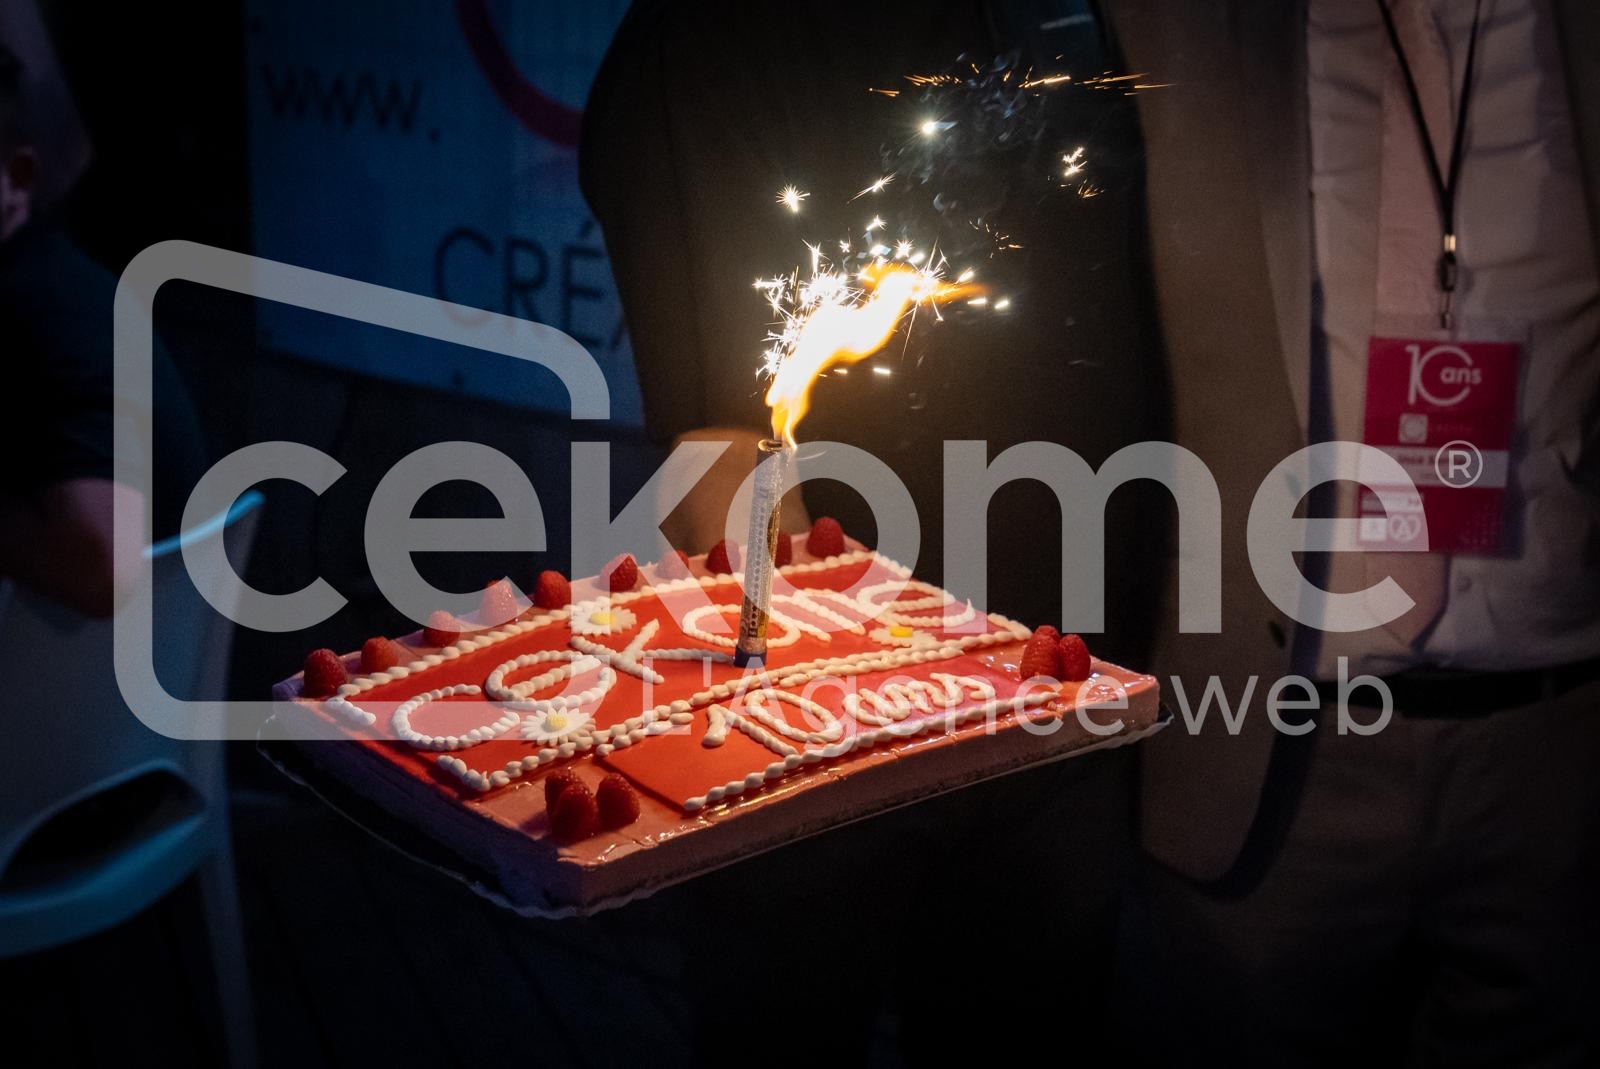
<point>1444,407</point>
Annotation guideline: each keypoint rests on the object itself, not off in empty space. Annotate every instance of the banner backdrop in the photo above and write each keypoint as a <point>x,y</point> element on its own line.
<point>433,148</point>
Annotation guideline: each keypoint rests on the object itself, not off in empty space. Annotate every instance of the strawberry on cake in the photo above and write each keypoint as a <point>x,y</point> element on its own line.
<point>599,743</point>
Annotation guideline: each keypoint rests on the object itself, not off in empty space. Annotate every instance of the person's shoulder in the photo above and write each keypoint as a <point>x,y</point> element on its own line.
<point>45,268</point>
<point>56,304</point>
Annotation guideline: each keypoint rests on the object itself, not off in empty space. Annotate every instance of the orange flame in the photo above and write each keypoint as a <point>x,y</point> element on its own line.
<point>841,334</point>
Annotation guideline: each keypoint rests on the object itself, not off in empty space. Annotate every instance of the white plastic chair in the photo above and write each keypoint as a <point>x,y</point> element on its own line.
<point>101,817</point>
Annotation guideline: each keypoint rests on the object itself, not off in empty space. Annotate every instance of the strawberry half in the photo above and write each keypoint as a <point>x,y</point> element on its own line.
<point>826,538</point>
<point>552,591</point>
<point>499,604</point>
<point>1075,662</point>
<point>575,815</point>
<point>674,565</point>
<point>324,674</point>
<point>785,553</point>
<point>621,573</point>
<point>558,781</point>
<point>1040,657</point>
<point>619,806</point>
<point>723,558</point>
<point>380,654</point>
<point>443,629</point>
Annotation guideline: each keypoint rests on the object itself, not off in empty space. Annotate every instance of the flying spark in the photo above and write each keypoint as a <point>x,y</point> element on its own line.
<point>876,187</point>
<point>790,198</point>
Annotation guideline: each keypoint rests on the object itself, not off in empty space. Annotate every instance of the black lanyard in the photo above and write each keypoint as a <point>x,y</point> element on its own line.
<point>1444,188</point>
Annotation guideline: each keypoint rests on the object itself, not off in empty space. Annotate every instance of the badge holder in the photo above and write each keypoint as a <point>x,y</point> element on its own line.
<point>1444,405</point>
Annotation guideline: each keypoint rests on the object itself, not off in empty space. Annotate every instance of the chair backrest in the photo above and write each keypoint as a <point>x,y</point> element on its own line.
<point>197,664</point>
<point>83,783</point>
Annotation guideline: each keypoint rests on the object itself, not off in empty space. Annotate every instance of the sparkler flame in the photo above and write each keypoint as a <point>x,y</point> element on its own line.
<point>847,310</point>
<point>841,323</point>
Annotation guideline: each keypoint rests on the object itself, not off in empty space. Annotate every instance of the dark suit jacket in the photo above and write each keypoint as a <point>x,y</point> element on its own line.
<point>1229,211</point>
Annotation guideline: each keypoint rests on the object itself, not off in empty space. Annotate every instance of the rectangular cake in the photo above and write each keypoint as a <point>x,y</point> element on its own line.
<point>574,756</point>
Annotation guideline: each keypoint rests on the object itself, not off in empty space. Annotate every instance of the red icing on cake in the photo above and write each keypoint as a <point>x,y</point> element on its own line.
<point>782,768</point>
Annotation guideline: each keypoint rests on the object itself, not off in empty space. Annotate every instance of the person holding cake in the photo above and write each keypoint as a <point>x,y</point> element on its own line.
<point>61,487</point>
<point>1358,213</point>
<point>1341,191</point>
<point>720,112</point>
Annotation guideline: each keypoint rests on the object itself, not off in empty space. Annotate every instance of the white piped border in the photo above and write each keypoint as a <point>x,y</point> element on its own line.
<point>401,722</point>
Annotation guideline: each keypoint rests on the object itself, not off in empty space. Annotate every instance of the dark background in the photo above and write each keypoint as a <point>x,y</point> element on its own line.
<point>354,951</point>
<point>164,95</point>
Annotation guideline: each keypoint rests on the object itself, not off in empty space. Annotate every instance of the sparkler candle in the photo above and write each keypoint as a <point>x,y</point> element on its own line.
<point>831,320</point>
<point>772,457</point>
<point>845,312</point>
<point>838,323</point>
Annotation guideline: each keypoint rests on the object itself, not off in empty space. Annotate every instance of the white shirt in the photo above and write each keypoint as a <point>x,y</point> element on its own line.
<point>1526,255</point>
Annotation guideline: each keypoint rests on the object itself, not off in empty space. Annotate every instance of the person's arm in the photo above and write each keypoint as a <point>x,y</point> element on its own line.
<point>62,542</point>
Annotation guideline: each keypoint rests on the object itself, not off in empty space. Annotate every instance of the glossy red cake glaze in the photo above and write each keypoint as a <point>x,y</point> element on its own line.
<point>701,806</point>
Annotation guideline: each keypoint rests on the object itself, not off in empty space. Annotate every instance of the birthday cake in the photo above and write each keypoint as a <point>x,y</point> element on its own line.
<point>599,743</point>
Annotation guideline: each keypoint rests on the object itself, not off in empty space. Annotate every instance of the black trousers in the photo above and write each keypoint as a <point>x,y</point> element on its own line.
<point>981,921</point>
<point>1434,901</point>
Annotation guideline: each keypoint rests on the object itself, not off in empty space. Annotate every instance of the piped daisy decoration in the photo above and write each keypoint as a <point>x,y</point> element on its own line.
<point>902,635</point>
<point>600,617</point>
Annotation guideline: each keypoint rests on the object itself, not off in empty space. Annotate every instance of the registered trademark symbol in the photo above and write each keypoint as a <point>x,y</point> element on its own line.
<point>1458,464</point>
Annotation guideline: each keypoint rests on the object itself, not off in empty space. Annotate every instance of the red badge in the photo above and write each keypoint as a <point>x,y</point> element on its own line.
<point>1446,410</point>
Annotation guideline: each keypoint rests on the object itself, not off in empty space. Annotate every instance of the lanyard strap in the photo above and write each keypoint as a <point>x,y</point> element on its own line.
<point>1444,187</point>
